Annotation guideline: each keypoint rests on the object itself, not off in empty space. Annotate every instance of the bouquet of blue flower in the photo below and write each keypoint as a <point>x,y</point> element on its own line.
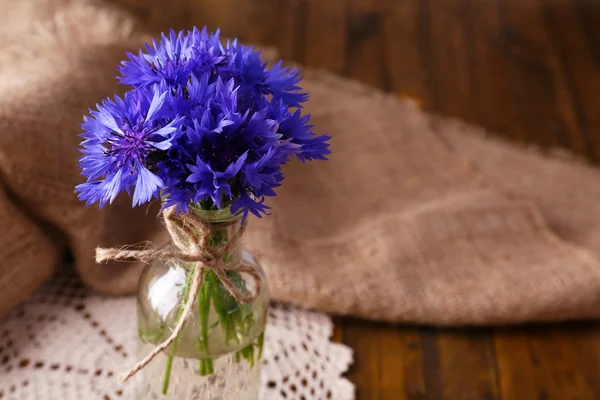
<point>204,124</point>
<point>205,127</point>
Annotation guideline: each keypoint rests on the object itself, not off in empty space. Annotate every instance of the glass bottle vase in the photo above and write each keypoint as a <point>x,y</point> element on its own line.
<point>217,355</point>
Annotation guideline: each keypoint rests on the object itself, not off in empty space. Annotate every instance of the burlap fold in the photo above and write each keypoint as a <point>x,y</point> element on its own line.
<point>413,219</point>
<point>397,227</point>
<point>55,64</point>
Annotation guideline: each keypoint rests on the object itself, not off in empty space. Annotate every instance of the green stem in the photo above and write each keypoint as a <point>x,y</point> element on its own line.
<point>210,288</point>
<point>203,311</point>
<point>202,368</point>
<point>184,296</point>
<point>209,366</point>
<point>259,343</point>
<point>248,353</point>
<point>167,378</point>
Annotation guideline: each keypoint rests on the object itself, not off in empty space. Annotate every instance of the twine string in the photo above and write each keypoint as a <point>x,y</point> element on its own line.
<point>191,244</point>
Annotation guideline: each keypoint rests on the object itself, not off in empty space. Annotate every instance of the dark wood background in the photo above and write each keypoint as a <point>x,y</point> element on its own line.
<point>525,69</point>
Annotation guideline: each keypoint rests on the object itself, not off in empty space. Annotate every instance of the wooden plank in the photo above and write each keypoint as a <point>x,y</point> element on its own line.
<point>338,330</point>
<point>271,23</point>
<point>300,31</point>
<point>404,38</point>
<point>515,367</point>
<point>581,74</point>
<point>450,56</point>
<point>586,340</point>
<point>494,105</point>
<point>546,111</point>
<point>271,30</point>
<point>468,365</point>
<point>366,369</point>
<point>541,363</point>
<point>231,16</point>
<point>589,17</point>
<point>326,27</point>
<point>364,52</point>
<point>432,370</point>
<point>388,363</point>
<point>238,18</point>
<point>157,16</point>
<point>285,35</point>
<point>558,366</point>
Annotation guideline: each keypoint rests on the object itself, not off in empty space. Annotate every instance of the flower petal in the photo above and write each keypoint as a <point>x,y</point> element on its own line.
<point>146,186</point>
<point>156,104</point>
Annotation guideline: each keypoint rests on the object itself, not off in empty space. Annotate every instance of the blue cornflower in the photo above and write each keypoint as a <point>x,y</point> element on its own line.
<point>263,175</point>
<point>119,138</point>
<point>205,162</point>
<point>257,80</point>
<point>248,203</point>
<point>204,124</point>
<point>213,184</point>
<point>295,127</point>
<point>188,101</point>
<point>282,83</point>
<point>175,58</point>
<point>169,60</point>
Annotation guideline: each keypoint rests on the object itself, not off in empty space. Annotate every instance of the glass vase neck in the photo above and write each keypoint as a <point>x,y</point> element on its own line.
<point>215,216</point>
<point>223,228</point>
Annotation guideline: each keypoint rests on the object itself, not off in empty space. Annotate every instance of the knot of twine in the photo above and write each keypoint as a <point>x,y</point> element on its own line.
<point>191,239</point>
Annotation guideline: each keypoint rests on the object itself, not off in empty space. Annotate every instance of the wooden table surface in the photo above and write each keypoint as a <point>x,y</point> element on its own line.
<point>526,69</point>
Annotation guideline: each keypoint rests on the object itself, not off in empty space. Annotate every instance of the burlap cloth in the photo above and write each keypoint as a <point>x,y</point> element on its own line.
<point>415,218</point>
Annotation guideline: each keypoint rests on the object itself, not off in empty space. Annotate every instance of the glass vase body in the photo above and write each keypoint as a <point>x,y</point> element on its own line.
<point>218,353</point>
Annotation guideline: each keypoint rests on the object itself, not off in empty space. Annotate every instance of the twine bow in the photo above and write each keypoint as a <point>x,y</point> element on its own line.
<point>190,237</point>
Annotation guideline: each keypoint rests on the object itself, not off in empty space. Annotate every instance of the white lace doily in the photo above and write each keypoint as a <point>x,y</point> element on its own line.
<point>65,343</point>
